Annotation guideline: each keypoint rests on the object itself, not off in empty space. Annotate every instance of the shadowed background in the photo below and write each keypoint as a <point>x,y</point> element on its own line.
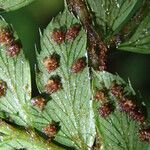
<point>28,20</point>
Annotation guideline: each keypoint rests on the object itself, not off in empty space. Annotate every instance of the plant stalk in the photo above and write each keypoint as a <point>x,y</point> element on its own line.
<point>97,50</point>
<point>27,138</point>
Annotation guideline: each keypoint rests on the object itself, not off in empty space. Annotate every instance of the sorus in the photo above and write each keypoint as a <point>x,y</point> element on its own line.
<point>51,63</point>
<point>127,105</point>
<point>13,49</point>
<point>105,110</point>
<point>5,36</point>
<point>73,31</point>
<point>78,65</point>
<point>53,85</point>
<point>3,87</point>
<point>58,35</point>
<point>38,101</point>
<point>117,90</point>
<point>99,95</point>
<point>144,135</point>
<point>138,115</point>
<point>50,130</point>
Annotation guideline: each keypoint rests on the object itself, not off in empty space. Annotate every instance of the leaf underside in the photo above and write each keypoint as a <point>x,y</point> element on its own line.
<point>114,130</point>
<point>9,5</point>
<point>16,105</point>
<point>15,102</point>
<point>15,72</point>
<point>118,131</point>
<point>72,105</point>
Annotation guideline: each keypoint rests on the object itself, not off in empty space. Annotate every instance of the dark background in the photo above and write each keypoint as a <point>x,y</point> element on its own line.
<point>28,20</point>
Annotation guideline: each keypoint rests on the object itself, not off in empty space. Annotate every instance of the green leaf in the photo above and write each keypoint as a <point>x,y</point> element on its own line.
<point>117,131</point>
<point>112,15</point>
<point>71,106</point>
<point>140,40</point>
<point>15,96</point>
<point>15,78</point>
<point>15,81</point>
<point>9,5</point>
<point>15,138</point>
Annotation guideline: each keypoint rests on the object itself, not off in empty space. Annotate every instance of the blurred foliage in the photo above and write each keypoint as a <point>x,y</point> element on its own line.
<point>28,20</point>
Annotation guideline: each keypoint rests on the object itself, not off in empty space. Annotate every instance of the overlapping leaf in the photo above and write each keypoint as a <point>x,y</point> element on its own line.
<point>9,5</point>
<point>15,104</point>
<point>71,106</point>
<point>15,72</point>
<point>140,40</point>
<point>118,131</point>
<point>111,15</point>
<point>15,99</point>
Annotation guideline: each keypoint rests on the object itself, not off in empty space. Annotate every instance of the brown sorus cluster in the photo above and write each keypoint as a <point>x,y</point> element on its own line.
<point>105,110</point>
<point>144,135</point>
<point>38,101</point>
<point>127,105</point>
<point>3,88</point>
<point>138,115</point>
<point>12,46</point>
<point>78,65</point>
<point>53,85</point>
<point>13,49</point>
<point>51,63</point>
<point>5,36</point>
<point>117,90</point>
<point>58,35</point>
<point>99,95</point>
<point>132,109</point>
<point>50,130</point>
<point>73,31</point>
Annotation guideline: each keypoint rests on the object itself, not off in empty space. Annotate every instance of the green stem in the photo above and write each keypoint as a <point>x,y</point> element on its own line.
<point>27,138</point>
